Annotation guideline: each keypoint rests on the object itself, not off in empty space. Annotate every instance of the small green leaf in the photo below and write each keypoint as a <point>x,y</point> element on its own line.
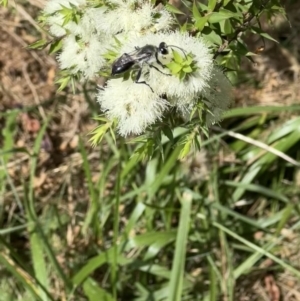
<point>94,292</point>
<point>174,67</point>
<point>223,14</point>
<point>99,132</point>
<point>40,44</point>
<point>63,82</point>
<point>186,149</point>
<point>168,132</point>
<point>211,36</point>
<point>187,69</point>
<point>257,30</point>
<point>182,75</point>
<point>177,57</point>
<point>67,19</point>
<point>188,61</point>
<point>200,23</point>
<point>55,46</point>
<point>172,9</point>
<point>196,14</point>
<point>183,28</point>
<point>240,48</point>
<point>226,27</point>
<point>212,4</point>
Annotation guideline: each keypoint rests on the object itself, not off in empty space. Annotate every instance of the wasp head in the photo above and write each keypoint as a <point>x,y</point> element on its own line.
<point>163,48</point>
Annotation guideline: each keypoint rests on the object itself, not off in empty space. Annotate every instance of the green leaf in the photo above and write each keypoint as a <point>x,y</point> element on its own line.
<point>94,292</point>
<point>168,132</point>
<point>186,149</point>
<point>67,19</point>
<point>55,46</point>
<point>40,44</point>
<point>241,48</point>
<point>212,4</point>
<point>177,57</point>
<point>176,282</point>
<point>187,69</point>
<point>196,14</point>
<point>172,9</point>
<point>174,67</point>
<point>200,23</point>
<point>259,251</point>
<point>226,27</point>
<point>224,14</point>
<point>257,30</point>
<point>211,36</point>
<point>99,132</point>
<point>37,244</point>
<point>63,82</point>
<point>19,274</point>
<point>182,75</point>
<point>183,28</point>
<point>188,61</point>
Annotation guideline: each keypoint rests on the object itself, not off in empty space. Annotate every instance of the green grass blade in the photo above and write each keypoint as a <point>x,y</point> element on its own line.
<point>116,226</point>
<point>259,250</point>
<point>176,282</point>
<point>36,243</point>
<point>96,293</point>
<point>21,275</point>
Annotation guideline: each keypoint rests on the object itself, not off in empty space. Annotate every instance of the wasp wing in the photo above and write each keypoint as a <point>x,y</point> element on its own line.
<point>128,60</point>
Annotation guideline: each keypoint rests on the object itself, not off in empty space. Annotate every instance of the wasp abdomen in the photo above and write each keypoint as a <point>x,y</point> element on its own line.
<point>117,69</point>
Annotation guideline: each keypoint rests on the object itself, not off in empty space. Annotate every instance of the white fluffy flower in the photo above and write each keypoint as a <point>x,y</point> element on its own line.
<point>135,106</point>
<point>181,91</point>
<point>163,22</point>
<point>55,19</point>
<point>85,27</point>
<point>133,16</point>
<point>90,19</point>
<point>53,6</point>
<point>55,23</point>
<point>82,56</point>
<point>218,96</point>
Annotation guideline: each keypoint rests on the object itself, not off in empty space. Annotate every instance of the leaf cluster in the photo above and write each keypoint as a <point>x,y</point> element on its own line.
<point>225,23</point>
<point>181,66</point>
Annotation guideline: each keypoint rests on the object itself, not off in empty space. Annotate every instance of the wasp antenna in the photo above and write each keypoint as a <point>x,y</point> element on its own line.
<point>180,49</point>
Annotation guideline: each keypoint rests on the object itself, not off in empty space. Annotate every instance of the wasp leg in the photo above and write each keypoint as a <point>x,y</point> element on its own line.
<point>138,76</point>
<point>152,66</point>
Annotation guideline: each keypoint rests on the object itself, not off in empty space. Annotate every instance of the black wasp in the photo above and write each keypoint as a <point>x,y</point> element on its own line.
<point>146,55</point>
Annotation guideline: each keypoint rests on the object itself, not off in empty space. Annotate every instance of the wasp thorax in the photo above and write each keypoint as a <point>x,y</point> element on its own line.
<point>165,58</point>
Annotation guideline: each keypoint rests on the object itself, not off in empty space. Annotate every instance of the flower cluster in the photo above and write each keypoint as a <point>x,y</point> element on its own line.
<point>87,32</point>
<point>181,94</point>
<point>164,69</point>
